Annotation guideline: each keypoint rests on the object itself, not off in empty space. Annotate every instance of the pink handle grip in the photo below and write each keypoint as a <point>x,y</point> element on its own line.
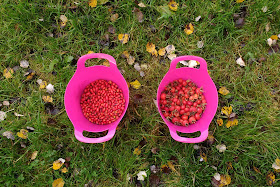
<point>202,62</point>
<point>201,138</point>
<point>79,135</point>
<point>84,58</point>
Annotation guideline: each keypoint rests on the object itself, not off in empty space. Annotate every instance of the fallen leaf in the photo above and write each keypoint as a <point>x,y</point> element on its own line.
<point>141,5</point>
<point>137,67</point>
<point>144,66</point>
<point>165,169</point>
<point>111,29</point>
<point>192,63</point>
<point>267,27</point>
<point>24,63</point>
<point>196,147</point>
<point>90,52</point>
<point>139,14</point>
<point>141,175</point>
<point>217,176</point>
<point>231,123</point>
<point>30,129</point>
<point>269,41</point>
<point>8,134</point>
<point>23,145</point>
<point>154,180</point>
<point>92,3</point>
<point>200,44</point>
<point>63,18</point>
<point>229,166</point>
<point>270,179</point>
<point>3,115</point>
<point>114,17</point>
<point>106,63</point>
<point>221,148</point>
<point>171,56</point>
<point>210,139</point>
<point>223,90</point>
<point>197,18</point>
<point>171,166</point>
<point>155,150</point>
<point>239,22</point>
<point>189,29</point>
<point>8,73</point>
<point>274,37</point>
<point>47,99</point>
<point>50,88</point>
<point>58,163</point>
<point>64,170</point>
<point>34,155</point>
<point>58,182</point>
<point>151,48</point>
<point>6,103</point>
<point>138,98</point>
<point>257,170</point>
<point>125,54</point>
<point>239,1</point>
<point>142,74</point>
<point>225,180</point>
<point>18,115</point>
<point>220,122</point>
<point>123,38</point>
<point>240,62</point>
<point>170,49</point>
<point>203,156</point>
<point>137,151</point>
<point>227,110</point>
<point>161,52</point>
<point>276,164</point>
<point>30,76</point>
<point>23,133</point>
<point>173,5</point>
<point>130,60</point>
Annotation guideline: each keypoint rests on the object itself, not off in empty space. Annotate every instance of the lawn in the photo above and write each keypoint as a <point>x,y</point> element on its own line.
<point>52,44</point>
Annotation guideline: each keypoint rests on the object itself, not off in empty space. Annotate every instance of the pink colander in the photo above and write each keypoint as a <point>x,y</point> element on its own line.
<point>82,77</point>
<point>201,78</point>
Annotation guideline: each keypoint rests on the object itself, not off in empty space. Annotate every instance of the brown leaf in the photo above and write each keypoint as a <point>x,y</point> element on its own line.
<point>165,169</point>
<point>138,98</point>
<point>155,150</point>
<point>257,170</point>
<point>114,17</point>
<point>240,22</point>
<point>112,29</point>
<point>154,180</point>
<point>143,142</point>
<point>215,182</point>
<point>139,14</point>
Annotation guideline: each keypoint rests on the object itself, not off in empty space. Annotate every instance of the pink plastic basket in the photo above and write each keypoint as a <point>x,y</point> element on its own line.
<point>82,77</point>
<point>201,78</point>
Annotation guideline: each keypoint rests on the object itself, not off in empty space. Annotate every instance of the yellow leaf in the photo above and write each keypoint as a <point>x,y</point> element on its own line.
<point>239,1</point>
<point>173,5</point>
<point>225,180</point>
<point>161,52</point>
<point>34,155</point>
<point>30,76</point>
<point>64,170</point>
<point>114,17</point>
<point>57,164</point>
<point>125,54</point>
<point>220,122</point>
<point>92,3</point>
<point>227,110</point>
<point>171,166</point>
<point>151,48</point>
<point>23,133</point>
<point>189,29</point>
<point>137,151</point>
<point>62,24</point>
<point>257,170</point>
<point>204,156</point>
<point>136,84</point>
<point>47,99</point>
<point>8,73</point>
<point>43,84</point>
<point>231,123</point>
<point>229,166</point>
<point>274,37</point>
<point>89,52</point>
<point>223,90</point>
<point>123,38</point>
<point>58,183</point>
<point>277,161</point>
<point>106,63</point>
<point>270,178</point>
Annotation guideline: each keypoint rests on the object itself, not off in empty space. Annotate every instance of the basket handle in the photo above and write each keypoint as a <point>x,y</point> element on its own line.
<point>202,62</point>
<point>79,135</point>
<point>84,58</point>
<point>201,138</point>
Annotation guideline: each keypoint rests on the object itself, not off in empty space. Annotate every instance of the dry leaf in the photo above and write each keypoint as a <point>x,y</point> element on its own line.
<point>23,133</point>
<point>223,90</point>
<point>137,67</point>
<point>58,163</point>
<point>34,155</point>
<point>137,151</point>
<point>3,115</point>
<point>58,183</point>
<point>274,37</point>
<point>114,17</point>
<point>47,99</point>
<point>225,180</point>
<point>171,166</point>
<point>64,170</point>
<point>141,175</point>
<point>161,52</point>
<point>92,3</point>
<point>63,18</point>
<point>125,54</point>
<point>276,164</point>
<point>8,134</point>
<point>240,62</point>
<point>220,122</point>
<point>200,44</point>
<point>6,103</point>
<point>189,29</point>
<point>257,170</point>
<point>139,15</point>
<point>170,49</point>
<point>173,5</point>
<point>210,139</point>
<point>130,60</point>
<point>221,148</point>
<point>106,63</point>
<point>43,84</point>
<point>24,63</point>
<point>123,38</point>
<point>227,110</point>
<point>8,73</point>
<point>30,76</point>
<point>203,156</point>
<point>171,56</point>
<point>136,84</point>
<point>197,18</point>
<point>217,176</point>
<point>50,88</point>
<point>231,123</point>
<point>111,29</point>
<point>18,115</point>
<point>264,9</point>
<point>270,179</point>
<point>141,5</point>
<point>239,1</point>
<point>151,48</point>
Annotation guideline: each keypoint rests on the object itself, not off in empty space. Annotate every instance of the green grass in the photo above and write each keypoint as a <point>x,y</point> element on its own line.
<point>23,36</point>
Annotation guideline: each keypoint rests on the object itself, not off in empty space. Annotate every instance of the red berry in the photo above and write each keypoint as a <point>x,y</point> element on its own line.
<point>163,96</point>
<point>192,120</point>
<point>197,116</point>
<point>174,120</point>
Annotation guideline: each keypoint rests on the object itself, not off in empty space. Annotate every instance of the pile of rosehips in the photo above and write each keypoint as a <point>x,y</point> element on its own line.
<point>182,102</point>
<point>102,102</point>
